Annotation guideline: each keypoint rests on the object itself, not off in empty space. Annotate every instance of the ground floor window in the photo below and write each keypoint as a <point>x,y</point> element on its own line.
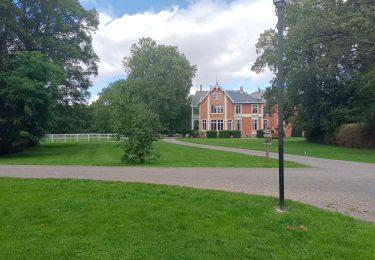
<point>265,124</point>
<point>238,125</point>
<point>213,125</point>
<point>254,124</point>
<point>220,125</point>
<point>229,125</point>
<point>217,125</point>
<point>204,125</point>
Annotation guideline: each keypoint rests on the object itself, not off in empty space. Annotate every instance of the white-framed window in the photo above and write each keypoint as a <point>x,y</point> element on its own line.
<point>217,109</point>
<point>265,123</point>
<point>204,124</point>
<point>217,124</point>
<point>238,109</point>
<point>255,109</point>
<point>229,125</point>
<point>213,125</point>
<point>254,124</point>
<point>220,125</point>
<point>237,124</point>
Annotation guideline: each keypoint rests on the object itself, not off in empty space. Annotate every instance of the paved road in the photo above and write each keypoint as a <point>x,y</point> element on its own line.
<point>347,187</point>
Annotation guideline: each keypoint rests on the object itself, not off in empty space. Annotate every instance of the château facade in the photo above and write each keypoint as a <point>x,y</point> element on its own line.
<point>219,109</point>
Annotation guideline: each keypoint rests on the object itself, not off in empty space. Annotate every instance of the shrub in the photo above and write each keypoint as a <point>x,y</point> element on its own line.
<point>296,132</point>
<point>260,133</point>
<point>355,136</point>
<point>202,134</point>
<point>235,134</point>
<point>137,128</point>
<point>211,134</point>
<point>224,134</point>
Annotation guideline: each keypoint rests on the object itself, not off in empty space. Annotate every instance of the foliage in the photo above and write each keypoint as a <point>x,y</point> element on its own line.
<point>211,134</point>
<point>329,64</point>
<point>28,90</point>
<point>137,128</point>
<point>224,134</point>
<point>161,77</point>
<point>260,133</point>
<point>235,134</point>
<point>191,133</point>
<point>73,118</point>
<point>296,132</point>
<point>60,30</point>
<point>356,136</point>
<point>102,108</point>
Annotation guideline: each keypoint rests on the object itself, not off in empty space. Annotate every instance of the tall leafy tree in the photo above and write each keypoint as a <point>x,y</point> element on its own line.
<point>329,63</point>
<point>161,77</point>
<point>28,91</point>
<point>61,30</point>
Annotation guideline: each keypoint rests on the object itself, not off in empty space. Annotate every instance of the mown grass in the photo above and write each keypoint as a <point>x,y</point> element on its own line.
<point>77,219</point>
<point>109,154</point>
<point>297,146</point>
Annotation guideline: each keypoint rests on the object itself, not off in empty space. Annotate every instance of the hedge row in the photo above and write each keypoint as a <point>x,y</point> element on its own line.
<point>355,136</point>
<point>223,134</point>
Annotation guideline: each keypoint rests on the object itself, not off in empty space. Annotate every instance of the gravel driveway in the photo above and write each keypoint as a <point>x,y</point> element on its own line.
<point>346,187</point>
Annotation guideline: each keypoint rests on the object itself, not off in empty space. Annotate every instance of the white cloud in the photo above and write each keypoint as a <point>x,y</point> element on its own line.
<point>218,37</point>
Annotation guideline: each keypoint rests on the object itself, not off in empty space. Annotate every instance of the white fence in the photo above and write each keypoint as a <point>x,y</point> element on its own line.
<point>79,137</point>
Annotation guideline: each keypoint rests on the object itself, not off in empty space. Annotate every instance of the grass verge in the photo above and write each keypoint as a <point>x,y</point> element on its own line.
<point>109,154</point>
<point>297,146</point>
<point>77,219</point>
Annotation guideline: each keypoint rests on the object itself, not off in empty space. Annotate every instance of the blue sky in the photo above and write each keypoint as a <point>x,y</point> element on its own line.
<point>120,7</point>
<point>216,35</point>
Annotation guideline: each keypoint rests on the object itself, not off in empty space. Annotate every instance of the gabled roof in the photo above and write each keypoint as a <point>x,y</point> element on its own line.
<point>259,95</point>
<point>199,95</point>
<point>234,95</point>
<point>243,97</point>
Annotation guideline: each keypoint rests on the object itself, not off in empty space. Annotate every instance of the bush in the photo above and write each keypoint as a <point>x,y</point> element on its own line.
<point>211,134</point>
<point>235,134</point>
<point>224,134</point>
<point>296,132</point>
<point>355,136</point>
<point>202,134</point>
<point>260,133</point>
<point>190,133</point>
<point>137,128</point>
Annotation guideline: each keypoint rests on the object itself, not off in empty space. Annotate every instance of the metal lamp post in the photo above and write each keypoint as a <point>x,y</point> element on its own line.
<point>280,5</point>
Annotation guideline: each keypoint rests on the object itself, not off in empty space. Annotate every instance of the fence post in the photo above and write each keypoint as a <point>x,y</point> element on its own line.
<point>64,138</point>
<point>108,137</point>
<point>52,138</point>
<point>88,137</point>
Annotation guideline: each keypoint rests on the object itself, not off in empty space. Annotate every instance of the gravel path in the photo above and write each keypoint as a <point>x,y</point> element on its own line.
<point>347,187</point>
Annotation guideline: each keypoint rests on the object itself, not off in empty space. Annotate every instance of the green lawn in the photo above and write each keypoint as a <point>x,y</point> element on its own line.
<point>297,146</point>
<point>77,219</point>
<point>109,154</point>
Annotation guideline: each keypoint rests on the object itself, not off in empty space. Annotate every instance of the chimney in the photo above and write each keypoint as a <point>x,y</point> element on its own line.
<point>241,90</point>
<point>259,91</point>
<point>200,88</point>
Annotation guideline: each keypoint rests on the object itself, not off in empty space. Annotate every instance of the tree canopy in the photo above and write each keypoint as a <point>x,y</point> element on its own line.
<point>28,91</point>
<point>329,63</point>
<point>61,30</point>
<point>161,77</point>
<point>46,61</point>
